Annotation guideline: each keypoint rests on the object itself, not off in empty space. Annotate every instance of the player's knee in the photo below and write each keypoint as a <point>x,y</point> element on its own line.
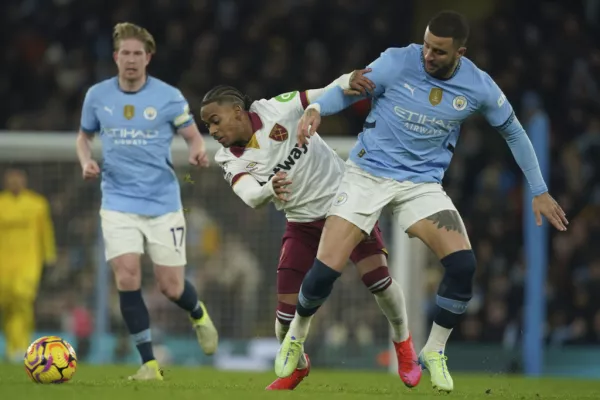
<point>456,288</point>
<point>127,279</point>
<point>127,270</point>
<point>170,288</point>
<point>317,285</point>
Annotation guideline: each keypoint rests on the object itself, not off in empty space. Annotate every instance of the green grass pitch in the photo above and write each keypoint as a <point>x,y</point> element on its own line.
<point>109,383</point>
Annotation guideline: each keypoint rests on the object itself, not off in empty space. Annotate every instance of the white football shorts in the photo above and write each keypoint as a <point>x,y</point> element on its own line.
<point>164,236</point>
<point>361,197</point>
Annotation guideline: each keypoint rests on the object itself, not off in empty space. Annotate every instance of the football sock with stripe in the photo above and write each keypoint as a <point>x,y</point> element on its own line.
<point>137,319</point>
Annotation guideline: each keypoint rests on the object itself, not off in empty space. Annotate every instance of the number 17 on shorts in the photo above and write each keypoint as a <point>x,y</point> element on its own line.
<point>166,240</point>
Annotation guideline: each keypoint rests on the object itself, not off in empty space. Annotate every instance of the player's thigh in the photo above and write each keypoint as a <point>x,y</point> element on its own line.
<point>298,251</point>
<point>166,239</point>
<point>123,245</point>
<point>432,217</point>
<point>354,212</point>
<point>121,233</point>
<point>370,253</point>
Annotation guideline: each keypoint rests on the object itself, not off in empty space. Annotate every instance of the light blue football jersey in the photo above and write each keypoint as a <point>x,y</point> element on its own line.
<point>415,119</point>
<point>136,130</point>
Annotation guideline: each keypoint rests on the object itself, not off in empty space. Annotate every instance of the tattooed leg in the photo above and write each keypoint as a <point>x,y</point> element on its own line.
<point>443,232</point>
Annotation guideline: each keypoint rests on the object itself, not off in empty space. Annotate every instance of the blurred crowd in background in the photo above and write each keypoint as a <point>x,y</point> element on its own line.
<point>542,54</point>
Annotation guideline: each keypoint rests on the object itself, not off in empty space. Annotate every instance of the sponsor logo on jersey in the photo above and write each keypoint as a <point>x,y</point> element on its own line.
<point>125,136</point>
<point>426,124</point>
<point>278,133</point>
<point>290,161</point>
<point>459,103</point>
<point>128,111</point>
<point>285,97</point>
<point>435,96</point>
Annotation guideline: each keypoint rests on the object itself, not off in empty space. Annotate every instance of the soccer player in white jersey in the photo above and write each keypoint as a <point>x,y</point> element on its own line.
<point>137,116</point>
<point>421,94</point>
<point>262,163</point>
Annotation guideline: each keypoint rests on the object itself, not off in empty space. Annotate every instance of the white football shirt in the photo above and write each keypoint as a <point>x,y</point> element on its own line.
<point>314,169</point>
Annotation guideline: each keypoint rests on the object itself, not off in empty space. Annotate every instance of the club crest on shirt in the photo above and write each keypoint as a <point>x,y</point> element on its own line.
<point>278,133</point>
<point>459,103</point>
<point>150,113</point>
<point>128,111</point>
<point>435,96</point>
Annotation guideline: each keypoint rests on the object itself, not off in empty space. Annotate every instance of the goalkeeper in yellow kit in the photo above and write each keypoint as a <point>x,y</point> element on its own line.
<point>26,244</point>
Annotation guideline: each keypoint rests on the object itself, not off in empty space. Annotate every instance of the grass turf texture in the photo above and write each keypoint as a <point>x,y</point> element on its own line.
<point>110,383</point>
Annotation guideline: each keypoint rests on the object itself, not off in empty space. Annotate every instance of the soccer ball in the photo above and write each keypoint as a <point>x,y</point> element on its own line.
<point>50,359</point>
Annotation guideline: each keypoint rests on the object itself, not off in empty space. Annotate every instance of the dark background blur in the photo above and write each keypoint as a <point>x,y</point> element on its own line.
<point>545,56</point>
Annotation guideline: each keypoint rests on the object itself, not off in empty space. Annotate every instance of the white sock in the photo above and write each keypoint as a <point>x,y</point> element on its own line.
<point>300,326</point>
<point>280,331</point>
<point>392,304</point>
<point>437,339</point>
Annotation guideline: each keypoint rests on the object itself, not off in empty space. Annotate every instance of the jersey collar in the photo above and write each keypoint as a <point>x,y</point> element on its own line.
<point>257,125</point>
<point>142,88</point>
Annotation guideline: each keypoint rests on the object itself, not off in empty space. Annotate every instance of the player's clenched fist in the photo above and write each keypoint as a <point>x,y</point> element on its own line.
<point>91,170</point>
<point>198,156</point>
<point>308,125</point>
<point>280,184</point>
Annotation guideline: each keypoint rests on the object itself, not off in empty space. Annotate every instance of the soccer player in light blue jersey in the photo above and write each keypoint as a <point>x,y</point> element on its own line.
<point>137,116</point>
<point>420,96</point>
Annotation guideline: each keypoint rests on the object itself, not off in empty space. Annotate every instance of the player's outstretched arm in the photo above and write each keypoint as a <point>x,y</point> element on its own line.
<point>377,76</point>
<point>524,154</point>
<point>500,114</point>
<point>293,104</point>
<point>352,84</point>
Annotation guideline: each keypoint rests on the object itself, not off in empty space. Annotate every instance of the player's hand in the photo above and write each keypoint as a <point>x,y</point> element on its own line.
<point>545,205</point>
<point>360,84</point>
<point>91,170</point>
<point>198,156</point>
<point>308,125</point>
<point>279,183</point>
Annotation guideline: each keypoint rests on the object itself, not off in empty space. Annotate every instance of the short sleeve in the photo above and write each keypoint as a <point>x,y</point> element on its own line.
<point>89,121</point>
<point>495,107</point>
<point>233,169</point>
<point>385,69</point>
<point>284,104</point>
<point>178,111</point>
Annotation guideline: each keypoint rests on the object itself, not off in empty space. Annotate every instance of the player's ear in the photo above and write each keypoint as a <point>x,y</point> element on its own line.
<point>115,56</point>
<point>462,50</point>
<point>238,110</point>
